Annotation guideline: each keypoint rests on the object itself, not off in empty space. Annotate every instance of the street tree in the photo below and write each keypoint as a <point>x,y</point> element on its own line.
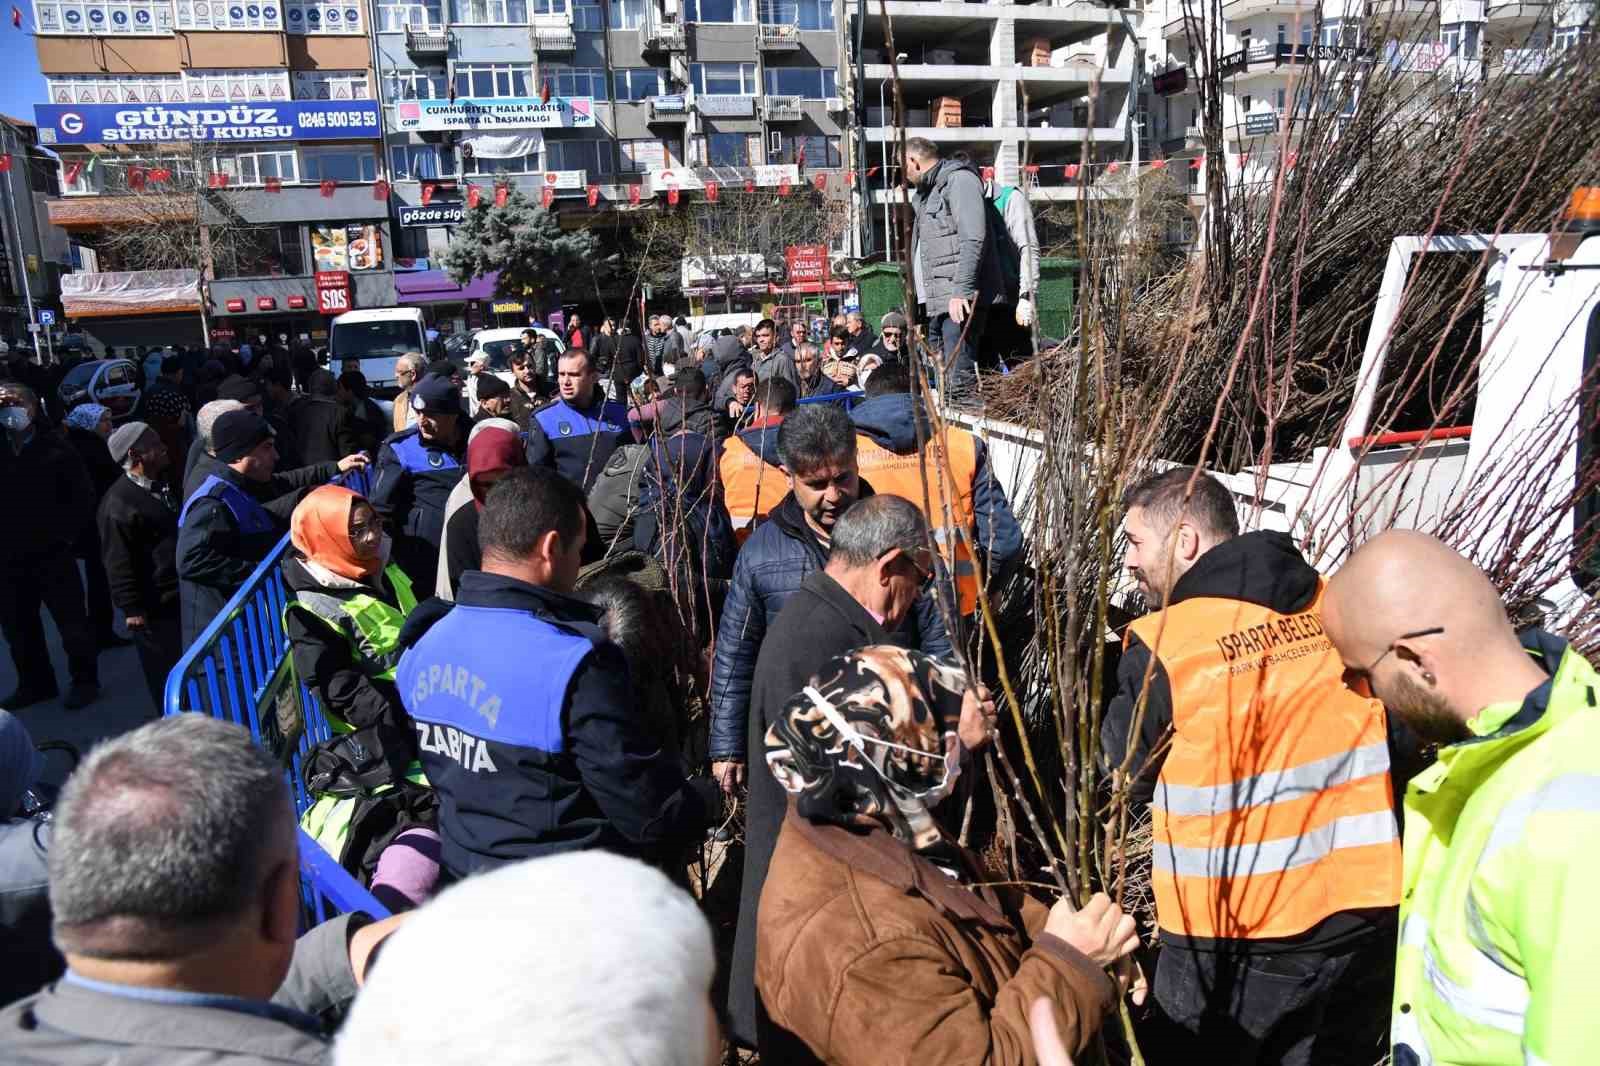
<point>521,242</point>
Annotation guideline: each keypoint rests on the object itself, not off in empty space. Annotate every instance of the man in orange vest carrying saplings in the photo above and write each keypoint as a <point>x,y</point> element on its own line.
<point>753,478</point>
<point>1276,857</point>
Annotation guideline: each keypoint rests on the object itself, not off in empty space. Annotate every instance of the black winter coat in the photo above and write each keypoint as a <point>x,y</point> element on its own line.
<point>628,363</point>
<point>321,430</point>
<point>139,545</point>
<point>47,479</point>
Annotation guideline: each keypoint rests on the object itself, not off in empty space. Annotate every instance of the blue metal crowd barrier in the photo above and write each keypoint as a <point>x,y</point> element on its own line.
<point>238,670</point>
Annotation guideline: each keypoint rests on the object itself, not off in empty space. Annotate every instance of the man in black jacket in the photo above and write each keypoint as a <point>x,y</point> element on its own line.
<point>417,468</point>
<point>319,424</point>
<point>43,474</point>
<point>542,751</point>
<point>138,522</point>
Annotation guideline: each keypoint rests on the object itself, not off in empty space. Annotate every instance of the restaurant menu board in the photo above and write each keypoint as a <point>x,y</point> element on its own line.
<point>354,248</point>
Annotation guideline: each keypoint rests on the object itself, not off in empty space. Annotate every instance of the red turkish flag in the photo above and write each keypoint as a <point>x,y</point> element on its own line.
<point>633,194</point>
<point>821,182</point>
<point>274,184</point>
<point>850,178</point>
<point>502,193</point>
<point>749,185</point>
<point>327,188</point>
<point>136,175</point>
<point>73,170</point>
<point>427,194</point>
<point>474,196</point>
<point>783,187</point>
<point>987,173</point>
<point>547,196</point>
<point>872,170</point>
<point>5,160</point>
<point>16,16</point>
<point>1113,168</point>
<point>672,195</point>
<point>380,190</point>
<point>1158,164</point>
<point>1195,163</point>
<point>158,175</point>
<point>1032,170</point>
<point>712,192</point>
<point>594,195</point>
<point>1294,157</point>
<point>544,92</point>
<point>1244,157</point>
<point>1072,172</point>
<point>217,180</point>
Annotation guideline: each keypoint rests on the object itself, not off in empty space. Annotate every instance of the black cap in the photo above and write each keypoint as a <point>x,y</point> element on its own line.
<point>492,385</point>
<point>239,388</point>
<point>236,434</point>
<point>435,395</point>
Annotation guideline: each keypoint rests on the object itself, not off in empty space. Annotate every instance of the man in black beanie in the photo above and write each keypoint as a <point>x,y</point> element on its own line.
<point>417,468</point>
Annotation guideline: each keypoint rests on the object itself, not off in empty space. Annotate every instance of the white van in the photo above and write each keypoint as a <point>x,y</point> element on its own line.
<point>374,340</point>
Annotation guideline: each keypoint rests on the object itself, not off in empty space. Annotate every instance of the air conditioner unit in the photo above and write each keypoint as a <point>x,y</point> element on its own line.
<point>835,103</point>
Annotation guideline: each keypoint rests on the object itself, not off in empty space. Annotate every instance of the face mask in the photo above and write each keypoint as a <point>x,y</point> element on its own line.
<point>16,419</point>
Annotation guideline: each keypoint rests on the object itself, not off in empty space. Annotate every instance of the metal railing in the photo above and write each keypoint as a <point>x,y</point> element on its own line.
<point>238,670</point>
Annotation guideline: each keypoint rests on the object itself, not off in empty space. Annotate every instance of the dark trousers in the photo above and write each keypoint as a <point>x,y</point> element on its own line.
<point>51,582</point>
<point>1294,1008</point>
<point>98,589</point>
<point>160,644</point>
<point>1004,343</point>
<point>958,345</point>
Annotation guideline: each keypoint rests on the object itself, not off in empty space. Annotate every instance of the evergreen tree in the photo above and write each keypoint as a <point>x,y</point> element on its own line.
<point>522,241</point>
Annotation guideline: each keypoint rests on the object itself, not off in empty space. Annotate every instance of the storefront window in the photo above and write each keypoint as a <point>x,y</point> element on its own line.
<point>257,252</point>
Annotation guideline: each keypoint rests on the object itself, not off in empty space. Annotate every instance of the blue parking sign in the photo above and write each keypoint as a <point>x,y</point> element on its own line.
<point>47,317</point>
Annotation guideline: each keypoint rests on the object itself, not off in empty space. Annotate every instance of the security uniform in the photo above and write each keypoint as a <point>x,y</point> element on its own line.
<point>414,480</point>
<point>223,534</point>
<point>542,751</point>
<point>576,441</point>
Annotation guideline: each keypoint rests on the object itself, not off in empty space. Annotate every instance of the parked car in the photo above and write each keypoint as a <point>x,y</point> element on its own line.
<point>112,382</point>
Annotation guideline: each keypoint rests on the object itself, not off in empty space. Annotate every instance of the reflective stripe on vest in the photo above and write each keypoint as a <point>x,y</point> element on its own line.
<point>751,486</point>
<point>371,626</point>
<point>248,514</point>
<point>1493,996</point>
<point>951,468</point>
<point>1273,810</point>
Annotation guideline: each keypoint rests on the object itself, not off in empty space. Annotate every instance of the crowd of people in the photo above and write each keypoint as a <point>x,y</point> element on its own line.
<point>547,572</point>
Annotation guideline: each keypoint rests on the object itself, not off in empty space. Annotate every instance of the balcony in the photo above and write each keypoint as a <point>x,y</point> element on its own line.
<point>553,37</point>
<point>427,42</point>
<point>781,109</point>
<point>1527,61</point>
<point>1243,9</point>
<point>669,109</point>
<point>1266,57</point>
<point>778,38</point>
<point>662,38</point>
<point>1517,14</point>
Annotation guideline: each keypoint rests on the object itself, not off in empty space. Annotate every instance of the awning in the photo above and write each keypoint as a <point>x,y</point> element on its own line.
<point>435,287</point>
<point>130,292</point>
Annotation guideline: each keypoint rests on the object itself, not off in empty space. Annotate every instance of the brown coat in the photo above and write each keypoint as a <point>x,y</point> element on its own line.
<point>867,953</point>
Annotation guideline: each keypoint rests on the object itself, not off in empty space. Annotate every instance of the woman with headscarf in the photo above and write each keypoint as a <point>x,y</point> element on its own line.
<point>87,426</point>
<point>494,449</point>
<point>878,940</point>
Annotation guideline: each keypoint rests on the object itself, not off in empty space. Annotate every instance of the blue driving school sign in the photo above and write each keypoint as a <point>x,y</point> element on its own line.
<point>286,120</point>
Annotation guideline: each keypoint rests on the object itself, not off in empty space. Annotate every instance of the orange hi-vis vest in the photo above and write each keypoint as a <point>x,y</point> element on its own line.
<point>952,465</point>
<point>751,486</point>
<point>1274,809</point>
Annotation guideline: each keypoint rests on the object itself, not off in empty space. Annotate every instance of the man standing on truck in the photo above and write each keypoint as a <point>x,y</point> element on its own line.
<point>1276,862</point>
<point>1498,927</point>
<point>416,471</point>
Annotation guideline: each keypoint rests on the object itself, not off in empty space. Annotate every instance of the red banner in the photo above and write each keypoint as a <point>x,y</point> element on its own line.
<point>136,177</point>
<point>274,184</point>
<point>327,188</point>
<point>1032,170</point>
<point>333,292</point>
<point>502,193</point>
<point>217,180</point>
<point>594,195</point>
<point>1158,164</point>
<point>5,162</point>
<point>806,262</point>
<point>712,192</point>
<point>474,196</point>
<point>987,173</point>
<point>547,196</point>
<point>822,182</point>
<point>633,194</point>
<point>783,187</point>
<point>380,190</point>
<point>1072,172</point>
<point>749,185</point>
<point>1194,164</point>
<point>672,195</point>
<point>73,170</point>
<point>427,194</point>
<point>158,175</point>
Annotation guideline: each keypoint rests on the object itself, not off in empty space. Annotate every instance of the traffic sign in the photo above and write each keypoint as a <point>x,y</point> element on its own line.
<point>47,317</point>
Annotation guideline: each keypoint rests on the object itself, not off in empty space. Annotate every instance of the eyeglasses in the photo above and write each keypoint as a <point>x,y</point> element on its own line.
<point>891,333</point>
<point>1431,632</point>
<point>852,736</point>
<point>925,574</point>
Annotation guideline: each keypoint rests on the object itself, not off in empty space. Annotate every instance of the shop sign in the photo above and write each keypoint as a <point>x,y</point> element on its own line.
<point>496,113</point>
<point>297,303</point>
<point>356,247</point>
<point>333,292</point>
<point>726,106</point>
<point>767,176</point>
<point>235,305</point>
<point>806,262</point>
<point>266,303</point>
<point>290,120</point>
<point>1260,123</point>
<point>438,213</point>
<point>513,307</point>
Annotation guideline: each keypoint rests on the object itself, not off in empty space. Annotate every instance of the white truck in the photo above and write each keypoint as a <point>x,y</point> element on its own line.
<point>373,340</point>
<point>1516,489</point>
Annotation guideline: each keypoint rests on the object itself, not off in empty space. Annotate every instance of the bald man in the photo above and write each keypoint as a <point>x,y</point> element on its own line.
<point>1500,928</point>
<point>1276,864</point>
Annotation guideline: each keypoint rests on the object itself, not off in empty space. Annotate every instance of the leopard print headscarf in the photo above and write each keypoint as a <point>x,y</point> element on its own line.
<point>885,693</point>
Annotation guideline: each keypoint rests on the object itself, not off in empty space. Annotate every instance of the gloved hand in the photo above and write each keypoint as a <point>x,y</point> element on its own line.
<point>1024,312</point>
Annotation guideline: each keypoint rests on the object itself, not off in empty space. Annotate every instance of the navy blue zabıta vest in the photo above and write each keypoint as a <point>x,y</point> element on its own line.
<point>490,732</point>
<point>250,516</point>
<point>434,472</point>
<point>582,441</point>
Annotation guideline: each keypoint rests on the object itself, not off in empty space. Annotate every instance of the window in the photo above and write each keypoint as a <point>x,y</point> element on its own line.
<point>587,17</point>
<point>1283,34</point>
<point>338,163</point>
<point>591,156</point>
<point>639,156</point>
<point>1283,96</point>
<point>113,89</point>
<point>203,16</point>
<point>421,162</point>
<point>805,14</point>
<point>258,252</point>
<point>728,150</point>
<point>331,85</point>
<point>811,151</point>
<point>121,17</point>
<point>240,86</point>
<point>718,11</point>
<point>113,177</point>
<point>1566,37</point>
<point>810,83</point>
<point>480,80</point>
<point>322,16</point>
<point>1462,39</point>
<point>1341,33</point>
<point>1306,30</point>
<point>723,79</point>
<point>254,168</point>
<point>521,164</point>
<point>1244,103</point>
<point>627,14</point>
<point>395,15</point>
<point>638,84</point>
<point>418,85</point>
<point>548,7</point>
<point>489,12</point>
<point>576,81</point>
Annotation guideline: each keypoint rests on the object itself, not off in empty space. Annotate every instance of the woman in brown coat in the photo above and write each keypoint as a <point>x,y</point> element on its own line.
<point>877,941</point>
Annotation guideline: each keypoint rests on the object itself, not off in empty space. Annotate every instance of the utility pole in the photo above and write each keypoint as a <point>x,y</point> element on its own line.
<point>20,261</point>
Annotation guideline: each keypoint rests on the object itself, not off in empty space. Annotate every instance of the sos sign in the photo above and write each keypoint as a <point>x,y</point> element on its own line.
<point>333,292</point>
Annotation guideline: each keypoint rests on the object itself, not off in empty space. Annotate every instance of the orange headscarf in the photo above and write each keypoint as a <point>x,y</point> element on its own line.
<point>320,529</point>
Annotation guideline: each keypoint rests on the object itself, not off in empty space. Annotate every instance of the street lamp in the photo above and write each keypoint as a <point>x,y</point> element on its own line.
<point>883,154</point>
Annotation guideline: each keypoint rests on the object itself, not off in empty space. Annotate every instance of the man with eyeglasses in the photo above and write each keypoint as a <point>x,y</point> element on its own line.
<point>1498,921</point>
<point>878,564</point>
<point>1276,857</point>
<point>407,369</point>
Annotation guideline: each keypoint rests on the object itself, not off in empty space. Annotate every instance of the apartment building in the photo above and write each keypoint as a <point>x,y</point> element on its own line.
<point>255,119</point>
<point>1266,46</point>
